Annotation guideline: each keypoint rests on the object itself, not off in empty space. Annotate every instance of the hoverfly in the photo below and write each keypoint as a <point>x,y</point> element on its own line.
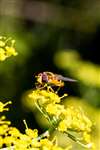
<point>49,79</point>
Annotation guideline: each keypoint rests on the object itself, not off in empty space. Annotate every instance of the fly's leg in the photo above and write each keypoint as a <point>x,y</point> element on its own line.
<point>49,88</point>
<point>41,87</point>
<point>58,90</point>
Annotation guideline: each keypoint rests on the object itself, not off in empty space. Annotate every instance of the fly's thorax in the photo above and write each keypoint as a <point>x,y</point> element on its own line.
<point>56,82</point>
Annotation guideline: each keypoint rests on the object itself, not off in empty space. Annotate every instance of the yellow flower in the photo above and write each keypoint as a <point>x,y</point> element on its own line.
<point>8,140</point>
<point>3,121</point>
<point>62,126</point>
<point>44,97</point>
<point>21,144</point>
<point>24,137</point>
<point>86,137</point>
<point>55,109</point>
<point>46,144</point>
<point>3,129</point>
<point>10,51</point>
<point>31,133</point>
<point>2,44</point>
<point>3,105</point>
<point>1,142</point>
<point>2,54</point>
<point>35,143</point>
<point>14,132</point>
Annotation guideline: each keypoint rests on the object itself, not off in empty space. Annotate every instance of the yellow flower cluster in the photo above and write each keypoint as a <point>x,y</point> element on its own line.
<point>63,119</point>
<point>44,97</point>
<point>74,119</point>
<point>12,138</point>
<point>7,48</point>
<point>2,106</point>
<point>68,117</point>
<point>2,118</point>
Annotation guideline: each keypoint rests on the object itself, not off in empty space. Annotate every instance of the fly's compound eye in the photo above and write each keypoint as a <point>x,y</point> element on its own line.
<point>44,77</point>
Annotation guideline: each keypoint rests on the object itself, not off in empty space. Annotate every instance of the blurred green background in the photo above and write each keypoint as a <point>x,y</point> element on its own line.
<point>61,36</point>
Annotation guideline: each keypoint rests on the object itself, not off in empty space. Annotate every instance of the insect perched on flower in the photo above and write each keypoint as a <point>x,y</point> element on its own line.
<point>49,79</point>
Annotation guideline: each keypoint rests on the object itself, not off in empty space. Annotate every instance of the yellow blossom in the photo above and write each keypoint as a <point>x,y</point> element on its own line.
<point>54,109</point>
<point>35,143</point>
<point>86,137</point>
<point>3,121</point>
<point>24,137</point>
<point>46,143</point>
<point>32,133</point>
<point>44,97</point>
<point>8,140</point>
<point>10,51</point>
<point>22,144</point>
<point>62,126</point>
<point>14,132</point>
<point>2,105</point>
<point>1,141</point>
<point>2,54</point>
<point>3,129</point>
<point>2,44</point>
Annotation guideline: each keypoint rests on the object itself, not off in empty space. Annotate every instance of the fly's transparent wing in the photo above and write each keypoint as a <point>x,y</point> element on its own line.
<point>60,77</point>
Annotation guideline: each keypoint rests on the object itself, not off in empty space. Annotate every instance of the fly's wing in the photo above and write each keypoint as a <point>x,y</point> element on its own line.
<point>60,77</point>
